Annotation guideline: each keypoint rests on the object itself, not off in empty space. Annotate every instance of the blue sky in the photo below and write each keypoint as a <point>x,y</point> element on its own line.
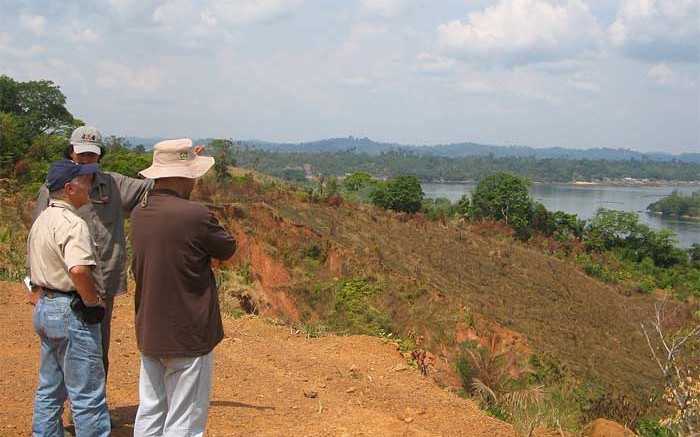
<point>537,73</point>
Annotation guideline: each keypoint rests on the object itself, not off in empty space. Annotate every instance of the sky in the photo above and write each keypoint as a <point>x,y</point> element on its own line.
<point>538,73</point>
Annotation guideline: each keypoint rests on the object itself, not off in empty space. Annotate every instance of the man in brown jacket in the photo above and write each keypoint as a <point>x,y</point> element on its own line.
<point>178,323</point>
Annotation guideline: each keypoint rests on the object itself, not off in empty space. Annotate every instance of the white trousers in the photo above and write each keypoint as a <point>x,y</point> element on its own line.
<point>174,396</point>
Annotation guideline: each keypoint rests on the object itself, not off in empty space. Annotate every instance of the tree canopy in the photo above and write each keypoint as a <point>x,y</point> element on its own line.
<point>34,125</point>
<point>428,167</point>
<point>678,204</point>
<point>502,197</point>
<point>403,193</point>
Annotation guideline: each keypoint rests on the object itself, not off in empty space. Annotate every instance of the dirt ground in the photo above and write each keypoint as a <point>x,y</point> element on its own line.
<point>268,381</point>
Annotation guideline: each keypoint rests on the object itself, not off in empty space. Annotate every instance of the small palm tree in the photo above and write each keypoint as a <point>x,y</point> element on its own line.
<point>495,369</point>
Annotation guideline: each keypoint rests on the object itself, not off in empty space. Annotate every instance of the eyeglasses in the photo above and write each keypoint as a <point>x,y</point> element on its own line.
<point>102,199</point>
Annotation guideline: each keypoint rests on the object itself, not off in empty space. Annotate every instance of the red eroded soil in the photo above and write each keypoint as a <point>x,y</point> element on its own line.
<point>263,382</point>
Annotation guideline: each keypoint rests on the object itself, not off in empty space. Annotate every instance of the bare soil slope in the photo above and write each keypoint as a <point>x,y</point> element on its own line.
<point>437,277</point>
<point>268,381</point>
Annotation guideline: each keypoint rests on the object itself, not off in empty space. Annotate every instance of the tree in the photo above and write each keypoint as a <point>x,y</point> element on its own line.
<point>502,197</point>
<point>542,220</point>
<point>11,145</point>
<point>678,204</point>
<point>487,373</point>
<point>464,204</point>
<point>40,104</point>
<point>358,180</point>
<point>403,193</point>
<point>118,156</point>
<point>609,229</point>
<point>34,122</point>
<point>223,154</point>
<point>676,354</point>
<point>622,231</point>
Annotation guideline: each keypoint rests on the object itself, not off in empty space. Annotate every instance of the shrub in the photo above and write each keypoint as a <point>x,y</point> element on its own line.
<point>354,309</point>
<point>403,194</point>
<point>647,427</point>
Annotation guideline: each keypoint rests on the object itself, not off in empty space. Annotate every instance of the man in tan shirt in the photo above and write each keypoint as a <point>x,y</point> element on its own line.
<point>112,197</point>
<point>69,310</point>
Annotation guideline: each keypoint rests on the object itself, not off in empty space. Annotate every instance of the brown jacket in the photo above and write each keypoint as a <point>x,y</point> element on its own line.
<point>177,307</point>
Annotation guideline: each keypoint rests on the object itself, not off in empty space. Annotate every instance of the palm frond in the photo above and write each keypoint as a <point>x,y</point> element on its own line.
<point>521,399</point>
<point>483,392</point>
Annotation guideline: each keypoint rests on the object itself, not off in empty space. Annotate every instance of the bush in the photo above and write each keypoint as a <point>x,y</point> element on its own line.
<point>652,428</point>
<point>354,310</point>
<point>502,197</point>
<point>403,194</point>
<point>596,270</point>
<point>439,208</point>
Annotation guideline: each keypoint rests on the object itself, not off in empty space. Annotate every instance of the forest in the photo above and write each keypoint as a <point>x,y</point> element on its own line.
<point>679,205</point>
<point>428,167</point>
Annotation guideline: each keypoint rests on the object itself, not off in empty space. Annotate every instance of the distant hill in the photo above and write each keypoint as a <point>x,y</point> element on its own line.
<point>365,145</point>
<point>453,150</point>
<point>147,143</point>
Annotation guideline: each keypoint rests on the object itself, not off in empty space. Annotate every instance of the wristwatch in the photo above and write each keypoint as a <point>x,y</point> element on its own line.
<point>96,303</point>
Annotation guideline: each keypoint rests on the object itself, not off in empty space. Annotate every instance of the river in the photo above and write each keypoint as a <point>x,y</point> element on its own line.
<point>584,200</point>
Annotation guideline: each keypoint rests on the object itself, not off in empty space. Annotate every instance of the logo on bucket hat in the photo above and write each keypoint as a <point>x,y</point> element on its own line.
<point>86,139</point>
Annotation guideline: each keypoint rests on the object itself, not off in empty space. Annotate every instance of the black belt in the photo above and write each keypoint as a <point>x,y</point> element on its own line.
<point>51,293</point>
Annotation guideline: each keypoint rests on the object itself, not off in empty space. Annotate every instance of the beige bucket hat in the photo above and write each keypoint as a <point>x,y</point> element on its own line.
<point>176,158</point>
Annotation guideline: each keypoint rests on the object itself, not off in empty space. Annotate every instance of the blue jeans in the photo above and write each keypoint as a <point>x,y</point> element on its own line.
<point>70,366</point>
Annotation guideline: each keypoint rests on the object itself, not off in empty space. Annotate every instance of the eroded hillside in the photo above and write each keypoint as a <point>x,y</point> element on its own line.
<point>438,283</point>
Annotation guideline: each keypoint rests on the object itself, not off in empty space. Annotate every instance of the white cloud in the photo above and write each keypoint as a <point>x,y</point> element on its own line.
<point>511,86</point>
<point>477,87</point>
<point>558,67</point>
<point>384,8</point>
<point>5,40</point>
<point>584,85</point>
<point>122,5</point>
<point>84,36</point>
<point>34,23</point>
<point>522,32</point>
<point>175,12</point>
<point>660,74</point>
<point>9,47</point>
<point>430,63</point>
<point>658,29</point>
<point>189,20</point>
<point>357,81</point>
<point>247,12</point>
<point>664,77</point>
<point>118,77</point>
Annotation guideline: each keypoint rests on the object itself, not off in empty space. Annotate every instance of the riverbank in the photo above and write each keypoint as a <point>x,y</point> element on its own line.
<point>629,182</point>
<point>584,200</point>
<point>676,216</point>
<point>595,182</point>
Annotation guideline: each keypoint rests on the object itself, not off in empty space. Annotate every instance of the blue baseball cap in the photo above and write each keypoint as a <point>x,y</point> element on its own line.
<point>63,171</point>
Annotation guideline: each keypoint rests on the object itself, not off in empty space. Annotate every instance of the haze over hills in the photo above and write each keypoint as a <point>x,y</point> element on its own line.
<point>455,150</point>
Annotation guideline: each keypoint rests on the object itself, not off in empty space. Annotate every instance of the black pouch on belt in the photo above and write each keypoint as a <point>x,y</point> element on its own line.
<point>86,314</point>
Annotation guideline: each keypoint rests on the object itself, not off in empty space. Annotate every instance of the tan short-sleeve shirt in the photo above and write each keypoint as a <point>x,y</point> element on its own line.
<point>58,241</point>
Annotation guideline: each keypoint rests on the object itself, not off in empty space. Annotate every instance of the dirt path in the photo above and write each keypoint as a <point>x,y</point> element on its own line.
<point>263,379</point>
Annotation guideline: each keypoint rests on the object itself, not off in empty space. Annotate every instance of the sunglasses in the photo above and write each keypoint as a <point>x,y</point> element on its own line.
<point>102,199</point>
